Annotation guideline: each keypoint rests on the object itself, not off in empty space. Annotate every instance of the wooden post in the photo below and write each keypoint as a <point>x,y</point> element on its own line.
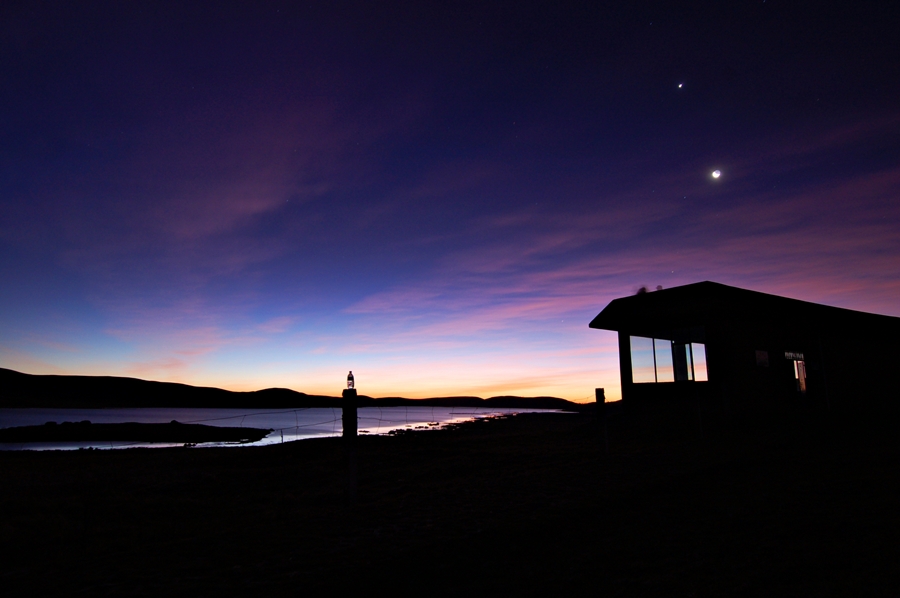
<point>600,396</point>
<point>348,419</point>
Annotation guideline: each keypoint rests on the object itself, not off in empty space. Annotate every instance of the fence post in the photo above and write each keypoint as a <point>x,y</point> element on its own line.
<point>348,420</point>
<point>602,429</point>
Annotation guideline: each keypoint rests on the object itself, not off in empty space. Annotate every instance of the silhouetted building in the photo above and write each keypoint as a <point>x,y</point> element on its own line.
<point>730,347</point>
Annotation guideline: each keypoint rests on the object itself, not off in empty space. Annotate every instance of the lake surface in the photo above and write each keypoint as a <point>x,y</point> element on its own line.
<point>287,424</point>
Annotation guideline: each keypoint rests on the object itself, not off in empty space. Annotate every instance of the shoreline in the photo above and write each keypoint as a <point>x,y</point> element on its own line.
<point>36,429</point>
<point>172,432</point>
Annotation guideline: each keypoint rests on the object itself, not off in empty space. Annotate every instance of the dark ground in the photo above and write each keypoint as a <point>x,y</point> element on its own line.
<point>802,504</point>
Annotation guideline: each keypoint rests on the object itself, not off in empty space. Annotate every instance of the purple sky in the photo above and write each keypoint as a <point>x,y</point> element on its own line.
<point>439,199</point>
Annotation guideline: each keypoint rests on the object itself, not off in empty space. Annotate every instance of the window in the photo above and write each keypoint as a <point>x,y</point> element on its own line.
<point>799,369</point>
<point>643,362</point>
<point>681,356</point>
<point>660,360</point>
<point>664,370</point>
<point>698,352</point>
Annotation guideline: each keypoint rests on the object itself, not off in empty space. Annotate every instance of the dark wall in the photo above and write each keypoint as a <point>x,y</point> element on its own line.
<point>846,368</point>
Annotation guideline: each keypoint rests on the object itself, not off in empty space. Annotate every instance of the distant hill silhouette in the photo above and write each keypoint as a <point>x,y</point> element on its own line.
<point>95,392</point>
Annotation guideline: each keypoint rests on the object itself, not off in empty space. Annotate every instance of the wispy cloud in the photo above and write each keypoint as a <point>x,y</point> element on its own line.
<point>276,325</point>
<point>184,249</point>
<point>537,279</point>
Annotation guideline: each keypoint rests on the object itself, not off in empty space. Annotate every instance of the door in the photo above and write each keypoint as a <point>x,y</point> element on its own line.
<point>800,375</point>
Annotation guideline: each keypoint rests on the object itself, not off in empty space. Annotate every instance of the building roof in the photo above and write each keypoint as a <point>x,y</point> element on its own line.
<point>699,304</point>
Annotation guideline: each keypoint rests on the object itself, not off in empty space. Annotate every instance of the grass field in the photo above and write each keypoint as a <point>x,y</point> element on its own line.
<point>802,504</point>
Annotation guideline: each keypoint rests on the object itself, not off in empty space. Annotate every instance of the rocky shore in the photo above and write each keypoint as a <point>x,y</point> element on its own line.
<point>85,431</point>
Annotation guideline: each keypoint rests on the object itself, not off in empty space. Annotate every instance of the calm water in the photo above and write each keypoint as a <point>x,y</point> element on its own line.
<point>288,424</point>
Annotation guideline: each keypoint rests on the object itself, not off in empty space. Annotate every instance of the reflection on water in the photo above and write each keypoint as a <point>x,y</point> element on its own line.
<point>287,424</point>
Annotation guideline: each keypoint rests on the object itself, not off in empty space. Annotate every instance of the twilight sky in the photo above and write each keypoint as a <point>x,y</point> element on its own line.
<point>439,198</point>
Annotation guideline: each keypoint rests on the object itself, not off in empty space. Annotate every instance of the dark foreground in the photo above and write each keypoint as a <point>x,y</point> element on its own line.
<point>806,505</point>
